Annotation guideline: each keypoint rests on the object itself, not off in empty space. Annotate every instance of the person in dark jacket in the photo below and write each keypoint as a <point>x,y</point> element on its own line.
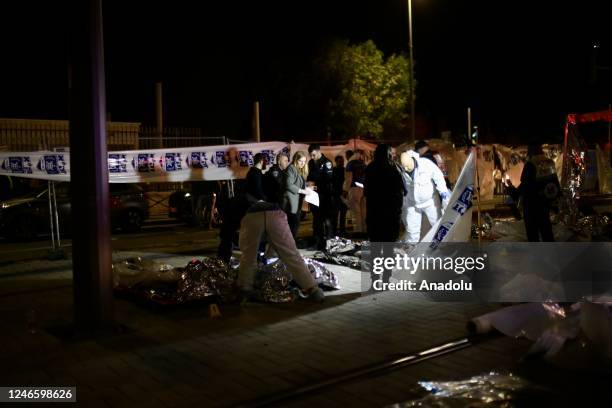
<point>273,179</point>
<point>384,191</point>
<point>320,173</point>
<point>254,180</point>
<point>340,208</point>
<point>538,189</point>
<point>234,211</point>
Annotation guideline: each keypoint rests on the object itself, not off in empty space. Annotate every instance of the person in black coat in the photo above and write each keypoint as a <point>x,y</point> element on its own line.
<point>254,180</point>
<point>320,173</point>
<point>384,191</point>
<point>340,208</point>
<point>538,189</point>
<point>273,179</point>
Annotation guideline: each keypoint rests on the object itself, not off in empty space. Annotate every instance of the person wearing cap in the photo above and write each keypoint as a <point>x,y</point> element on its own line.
<point>422,179</point>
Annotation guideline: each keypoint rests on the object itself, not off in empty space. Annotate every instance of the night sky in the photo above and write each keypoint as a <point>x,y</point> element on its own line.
<point>521,68</point>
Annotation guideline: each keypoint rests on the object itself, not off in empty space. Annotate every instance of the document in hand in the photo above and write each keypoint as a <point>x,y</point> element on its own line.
<point>312,198</point>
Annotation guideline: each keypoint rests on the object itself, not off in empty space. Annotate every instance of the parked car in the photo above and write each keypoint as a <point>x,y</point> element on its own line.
<point>196,204</point>
<point>28,216</point>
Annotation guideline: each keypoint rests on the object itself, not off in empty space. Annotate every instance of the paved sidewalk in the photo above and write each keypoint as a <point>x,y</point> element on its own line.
<point>180,357</point>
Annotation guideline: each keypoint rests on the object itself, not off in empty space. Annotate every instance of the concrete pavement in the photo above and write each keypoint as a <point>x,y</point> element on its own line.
<point>179,356</point>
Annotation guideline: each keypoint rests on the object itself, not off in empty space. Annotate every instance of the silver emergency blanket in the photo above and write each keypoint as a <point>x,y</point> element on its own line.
<point>273,284</point>
<point>493,389</point>
<point>134,271</point>
<point>205,278</point>
<point>341,251</point>
<point>340,245</point>
<point>211,277</point>
<point>148,279</point>
<point>325,278</point>
<point>573,177</point>
<point>592,225</point>
<point>484,229</point>
<point>512,230</point>
<point>552,326</point>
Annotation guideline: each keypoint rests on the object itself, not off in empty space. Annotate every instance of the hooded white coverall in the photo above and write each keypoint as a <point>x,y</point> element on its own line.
<point>420,198</point>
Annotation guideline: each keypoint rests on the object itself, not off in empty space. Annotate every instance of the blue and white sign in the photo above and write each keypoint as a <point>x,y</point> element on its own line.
<point>455,225</point>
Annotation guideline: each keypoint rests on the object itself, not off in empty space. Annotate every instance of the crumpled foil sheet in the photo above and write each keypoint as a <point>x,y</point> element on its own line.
<point>486,224</point>
<point>205,278</point>
<point>211,276</point>
<point>139,271</point>
<point>273,283</point>
<point>341,251</point>
<point>555,327</point>
<point>340,245</point>
<point>574,173</point>
<point>493,389</point>
<point>592,225</point>
<point>321,274</point>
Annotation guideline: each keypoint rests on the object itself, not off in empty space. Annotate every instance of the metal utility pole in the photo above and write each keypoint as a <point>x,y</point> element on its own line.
<point>411,56</point>
<point>256,126</point>
<point>91,250</point>
<point>159,114</point>
<point>475,150</point>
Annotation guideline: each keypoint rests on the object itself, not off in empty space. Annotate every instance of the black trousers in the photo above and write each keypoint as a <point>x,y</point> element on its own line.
<point>294,223</point>
<point>339,215</point>
<point>537,222</point>
<point>322,224</point>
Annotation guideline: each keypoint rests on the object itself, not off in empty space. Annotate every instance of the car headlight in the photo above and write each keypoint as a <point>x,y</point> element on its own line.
<point>187,195</point>
<point>5,205</point>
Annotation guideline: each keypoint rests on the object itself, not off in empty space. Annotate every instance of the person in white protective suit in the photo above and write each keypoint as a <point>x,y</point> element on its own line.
<point>422,178</point>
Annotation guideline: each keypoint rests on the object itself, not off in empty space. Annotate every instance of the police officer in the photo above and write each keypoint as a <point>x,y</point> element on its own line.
<point>272,181</point>
<point>320,173</point>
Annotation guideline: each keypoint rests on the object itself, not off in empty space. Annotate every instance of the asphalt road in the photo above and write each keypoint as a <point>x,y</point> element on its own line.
<point>169,238</point>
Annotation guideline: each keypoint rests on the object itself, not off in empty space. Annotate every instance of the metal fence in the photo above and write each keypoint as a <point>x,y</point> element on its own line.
<point>33,136</point>
<point>151,138</point>
<point>23,135</point>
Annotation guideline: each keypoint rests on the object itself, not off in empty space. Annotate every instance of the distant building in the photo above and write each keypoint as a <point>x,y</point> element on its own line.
<point>37,134</point>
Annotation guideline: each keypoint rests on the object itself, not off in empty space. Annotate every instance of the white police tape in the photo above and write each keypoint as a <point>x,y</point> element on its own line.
<point>223,162</point>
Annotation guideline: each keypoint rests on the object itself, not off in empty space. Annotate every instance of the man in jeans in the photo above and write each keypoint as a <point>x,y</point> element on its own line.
<point>267,218</point>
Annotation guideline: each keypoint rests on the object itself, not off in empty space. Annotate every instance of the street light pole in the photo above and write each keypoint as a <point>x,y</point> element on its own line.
<point>412,99</point>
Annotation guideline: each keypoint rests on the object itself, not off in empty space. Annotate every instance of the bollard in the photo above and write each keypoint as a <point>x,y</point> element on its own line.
<point>213,311</point>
